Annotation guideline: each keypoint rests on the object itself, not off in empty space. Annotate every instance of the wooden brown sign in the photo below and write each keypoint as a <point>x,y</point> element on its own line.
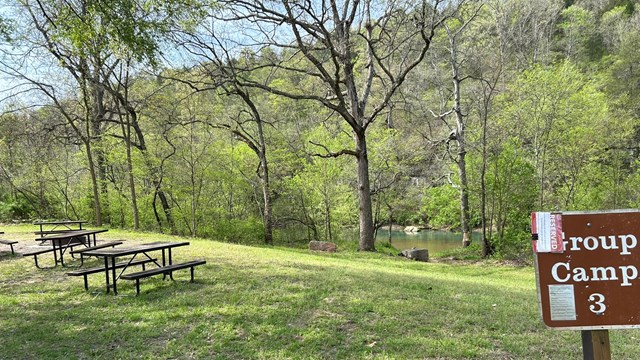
<point>593,281</point>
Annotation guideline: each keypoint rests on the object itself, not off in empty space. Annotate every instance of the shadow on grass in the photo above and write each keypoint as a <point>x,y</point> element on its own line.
<point>7,255</point>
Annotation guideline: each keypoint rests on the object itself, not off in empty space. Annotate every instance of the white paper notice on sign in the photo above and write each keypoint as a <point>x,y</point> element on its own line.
<point>548,228</point>
<point>562,302</point>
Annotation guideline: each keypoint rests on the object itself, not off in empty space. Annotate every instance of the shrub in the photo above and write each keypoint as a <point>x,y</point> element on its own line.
<point>441,206</point>
<point>19,209</point>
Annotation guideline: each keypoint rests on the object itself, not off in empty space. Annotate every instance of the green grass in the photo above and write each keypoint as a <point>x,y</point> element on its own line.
<point>281,303</point>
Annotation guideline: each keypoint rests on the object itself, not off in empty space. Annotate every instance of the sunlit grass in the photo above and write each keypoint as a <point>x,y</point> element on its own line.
<point>281,303</point>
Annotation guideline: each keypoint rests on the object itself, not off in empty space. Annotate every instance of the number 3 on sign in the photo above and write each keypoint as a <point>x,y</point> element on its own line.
<point>598,306</point>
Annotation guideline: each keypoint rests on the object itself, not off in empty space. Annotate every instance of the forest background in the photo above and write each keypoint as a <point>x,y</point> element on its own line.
<point>292,121</point>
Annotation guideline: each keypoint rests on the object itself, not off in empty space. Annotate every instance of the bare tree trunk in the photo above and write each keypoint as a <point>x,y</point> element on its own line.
<point>132,184</point>
<point>309,223</point>
<point>93,80</point>
<point>462,152</point>
<point>134,196</point>
<point>464,200</point>
<point>95,186</point>
<point>266,196</point>
<point>92,111</point>
<point>194,201</point>
<point>155,172</point>
<point>126,132</point>
<point>390,228</point>
<point>366,242</point>
<point>258,145</point>
<point>327,210</point>
<point>266,185</point>
<point>487,248</point>
<point>165,206</point>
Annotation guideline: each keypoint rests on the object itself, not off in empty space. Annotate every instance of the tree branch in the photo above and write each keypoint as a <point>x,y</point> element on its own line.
<point>330,154</point>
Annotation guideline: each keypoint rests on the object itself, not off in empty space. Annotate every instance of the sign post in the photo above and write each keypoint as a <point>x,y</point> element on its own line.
<point>587,271</point>
<point>595,345</point>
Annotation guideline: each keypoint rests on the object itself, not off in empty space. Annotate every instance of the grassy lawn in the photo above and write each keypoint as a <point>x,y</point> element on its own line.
<point>280,303</point>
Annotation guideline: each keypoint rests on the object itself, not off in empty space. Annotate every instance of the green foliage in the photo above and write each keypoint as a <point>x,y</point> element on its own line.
<point>407,205</point>
<point>128,28</point>
<point>19,209</point>
<point>628,7</point>
<point>561,119</point>
<point>511,193</point>
<point>580,37</point>
<point>515,242</point>
<point>325,185</point>
<point>239,231</point>
<point>441,207</point>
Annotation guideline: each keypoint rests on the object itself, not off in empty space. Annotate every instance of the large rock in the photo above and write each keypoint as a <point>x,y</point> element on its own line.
<point>416,254</point>
<point>323,246</point>
<point>411,229</point>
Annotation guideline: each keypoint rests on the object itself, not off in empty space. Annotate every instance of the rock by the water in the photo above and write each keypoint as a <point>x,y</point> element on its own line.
<point>411,229</point>
<point>416,254</point>
<point>394,227</point>
<point>323,246</point>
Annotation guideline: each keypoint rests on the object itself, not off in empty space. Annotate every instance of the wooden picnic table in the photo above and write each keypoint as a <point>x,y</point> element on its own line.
<point>58,226</point>
<point>60,243</point>
<point>110,256</point>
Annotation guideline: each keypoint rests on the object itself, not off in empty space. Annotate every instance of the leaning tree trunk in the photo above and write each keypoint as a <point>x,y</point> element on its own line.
<point>98,113</point>
<point>462,173</point>
<point>166,208</point>
<point>327,211</point>
<point>487,245</point>
<point>132,183</point>
<point>94,183</point>
<point>266,196</point>
<point>462,152</point>
<point>367,241</point>
<point>487,249</point>
<point>156,179</point>
<point>259,147</point>
<point>268,221</point>
<point>126,132</point>
<point>464,199</point>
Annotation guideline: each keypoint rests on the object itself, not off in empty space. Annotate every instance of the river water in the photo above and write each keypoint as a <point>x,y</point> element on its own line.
<point>434,241</point>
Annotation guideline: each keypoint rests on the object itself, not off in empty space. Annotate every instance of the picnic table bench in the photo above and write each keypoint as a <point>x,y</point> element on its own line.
<point>99,269</point>
<point>36,252</point>
<point>10,243</point>
<point>164,270</point>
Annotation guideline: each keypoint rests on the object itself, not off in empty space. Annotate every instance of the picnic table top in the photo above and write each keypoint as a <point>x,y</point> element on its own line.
<point>72,234</point>
<point>60,222</point>
<point>123,251</point>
